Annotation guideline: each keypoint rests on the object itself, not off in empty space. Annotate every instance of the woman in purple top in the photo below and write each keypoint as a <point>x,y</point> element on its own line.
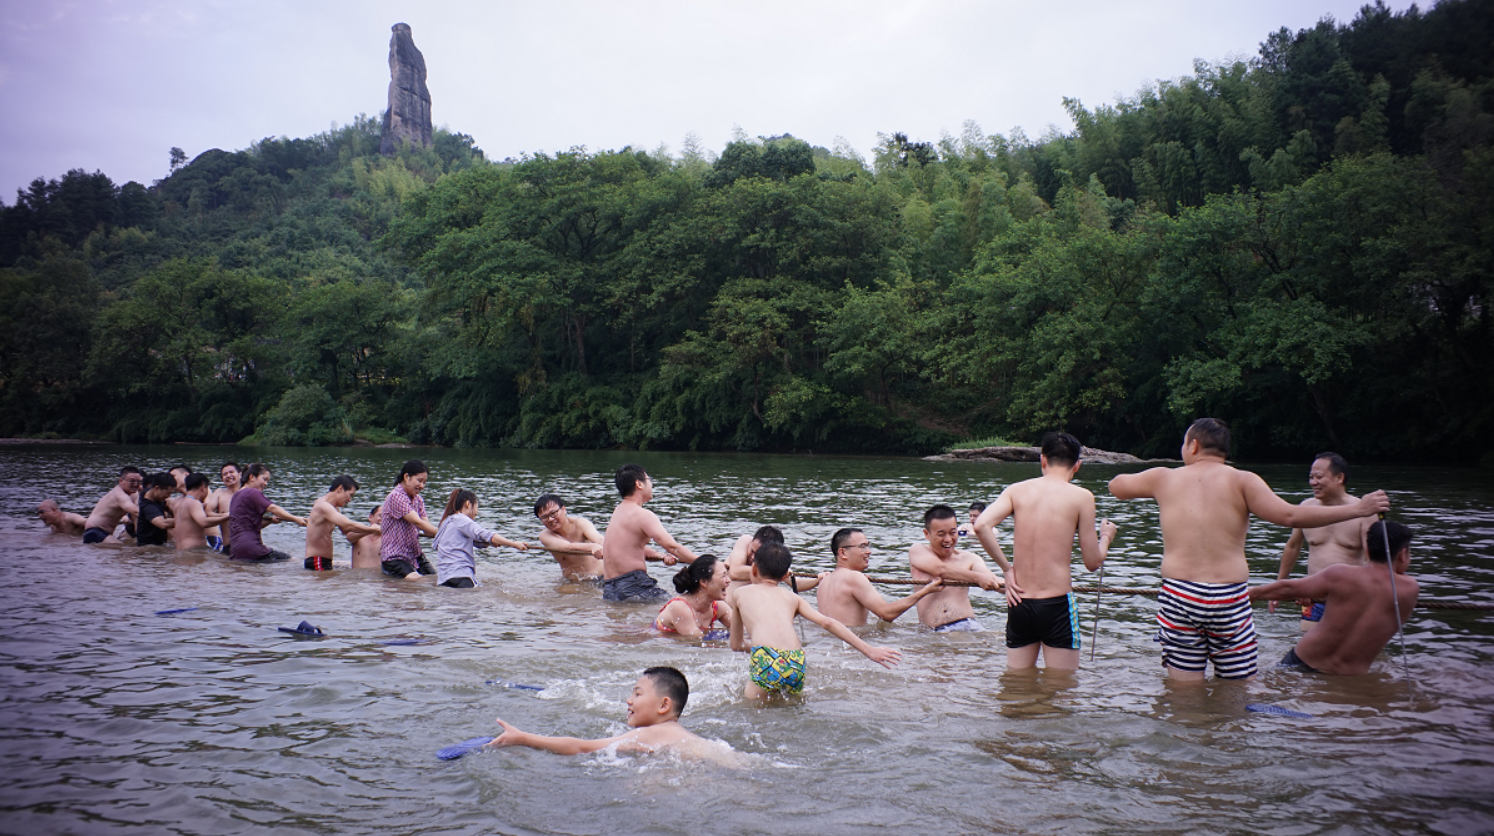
<point>246,516</point>
<point>400,554</point>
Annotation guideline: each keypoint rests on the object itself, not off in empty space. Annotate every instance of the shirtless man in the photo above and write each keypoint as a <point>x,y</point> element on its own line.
<point>624,576</point>
<point>113,506</point>
<point>1331,544</point>
<point>739,561</point>
<point>366,545</point>
<point>192,519</point>
<point>846,594</point>
<point>179,472</point>
<point>326,514</point>
<point>1203,612</point>
<point>1042,617</point>
<point>60,521</point>
<point>573,541</point>
<point>948,610</point>
<point>232,476</point>
<point>1362,617</point>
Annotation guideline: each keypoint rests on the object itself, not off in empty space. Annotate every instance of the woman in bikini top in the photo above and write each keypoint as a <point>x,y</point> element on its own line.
<point>701,602</point>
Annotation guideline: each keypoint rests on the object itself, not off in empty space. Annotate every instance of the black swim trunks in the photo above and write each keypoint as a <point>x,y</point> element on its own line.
<point>317,563</point>
<point>460,583</point>
<point>633,586</point>
<point>399,567</point>
<point>1294,662</point>
<point>1052,621</point>
<point>95,535</point>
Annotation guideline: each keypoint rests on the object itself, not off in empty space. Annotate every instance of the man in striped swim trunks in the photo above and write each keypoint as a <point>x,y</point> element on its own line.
<point>1203,612</point>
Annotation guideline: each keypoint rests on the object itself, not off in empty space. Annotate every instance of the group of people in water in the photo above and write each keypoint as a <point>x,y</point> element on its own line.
<point>1353,597</point>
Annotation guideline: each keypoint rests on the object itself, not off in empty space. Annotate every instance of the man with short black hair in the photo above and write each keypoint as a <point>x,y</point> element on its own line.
<point>113,506</point>
<point>947,609</point>
<point>625,574</point>
<point>153,521</point>
<point>326,514</point>
<point>1329,545</point>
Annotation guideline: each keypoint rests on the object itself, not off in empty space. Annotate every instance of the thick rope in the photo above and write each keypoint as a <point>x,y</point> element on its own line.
<point>1426,604</point>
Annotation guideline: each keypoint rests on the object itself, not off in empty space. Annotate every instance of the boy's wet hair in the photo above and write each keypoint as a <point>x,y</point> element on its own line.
<point>546,499</point>
<point>194,481</point>
<point>1400,537</point>
<point>773,561</point>
<point>938,512</point>
<point>1336,463</point>
<point>1062,449</point>
<point>628,478</point>
<point>689,579</point>
<point>672,684</point>
<point>1212,434</point>
<point>345,482</point>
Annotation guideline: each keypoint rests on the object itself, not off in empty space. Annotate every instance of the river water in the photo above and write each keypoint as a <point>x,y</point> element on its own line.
<point>210,721</point>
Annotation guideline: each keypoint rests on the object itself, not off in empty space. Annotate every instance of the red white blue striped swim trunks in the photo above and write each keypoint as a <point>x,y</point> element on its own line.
<point>1202,622</point>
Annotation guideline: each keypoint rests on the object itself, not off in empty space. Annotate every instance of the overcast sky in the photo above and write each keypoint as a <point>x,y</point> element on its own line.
<point>112,86</point>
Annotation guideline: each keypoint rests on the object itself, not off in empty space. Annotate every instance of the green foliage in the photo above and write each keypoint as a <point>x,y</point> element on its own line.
<point>1298,243</point>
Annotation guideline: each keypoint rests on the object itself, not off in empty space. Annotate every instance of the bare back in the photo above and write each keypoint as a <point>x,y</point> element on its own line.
<point>191,529</point>
<point>631,528</point>
<point>766,612</point>
<point>1358,619</point>
<point>1048,513</point>
<point>1204,518</point>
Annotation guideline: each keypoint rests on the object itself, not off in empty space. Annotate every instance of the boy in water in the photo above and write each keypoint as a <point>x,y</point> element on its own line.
<point>766,612</point>
<point>1048,511</point>
<point>1362,615</point>
<point>654,710</point>
<point>846,594</point>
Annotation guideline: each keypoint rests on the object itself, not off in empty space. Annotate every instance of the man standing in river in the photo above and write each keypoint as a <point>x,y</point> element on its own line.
<point>1203,611</point>
<point>573,541</point>
<point>113,506</point>
<point>947,609</point>
<point>624,573</point>
<point>1328,545</point>
<point>218,502</point>
<point>326,514</point>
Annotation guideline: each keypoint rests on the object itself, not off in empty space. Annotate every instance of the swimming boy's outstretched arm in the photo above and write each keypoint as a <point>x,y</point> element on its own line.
<point>887,657</point>
<point>559,745</point>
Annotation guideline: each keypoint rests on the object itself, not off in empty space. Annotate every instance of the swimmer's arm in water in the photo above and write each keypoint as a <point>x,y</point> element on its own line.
<point>1272,508</point>
<point>559,745</point>
<point>985,530</point>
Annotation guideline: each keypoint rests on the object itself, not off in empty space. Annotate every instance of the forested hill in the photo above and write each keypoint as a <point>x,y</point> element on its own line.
<point>1300,244</point>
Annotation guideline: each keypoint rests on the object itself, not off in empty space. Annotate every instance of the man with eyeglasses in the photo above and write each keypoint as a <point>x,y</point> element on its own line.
<point>573,541</point>
<point>113,506</point>
<point>846,594</point>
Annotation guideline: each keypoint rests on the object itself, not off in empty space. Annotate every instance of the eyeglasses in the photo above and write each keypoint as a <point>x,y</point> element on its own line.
<point>550,515</point>
<point>866,546</point>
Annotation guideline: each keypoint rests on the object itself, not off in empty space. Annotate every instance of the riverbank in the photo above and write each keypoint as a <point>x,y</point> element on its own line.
<point>1031,454</point>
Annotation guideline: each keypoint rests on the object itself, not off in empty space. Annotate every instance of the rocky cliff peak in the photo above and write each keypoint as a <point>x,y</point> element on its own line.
<point>408,119</point>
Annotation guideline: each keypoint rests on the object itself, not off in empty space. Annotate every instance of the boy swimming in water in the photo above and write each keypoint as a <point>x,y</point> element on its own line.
<point>654,710</point>
<point>766,612</point>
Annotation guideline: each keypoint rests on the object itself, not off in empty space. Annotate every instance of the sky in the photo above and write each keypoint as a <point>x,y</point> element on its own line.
<point>113,85</point>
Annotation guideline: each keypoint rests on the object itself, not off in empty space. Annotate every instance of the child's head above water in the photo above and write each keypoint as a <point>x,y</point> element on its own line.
<point>772,561</point>
<point>659,696</point>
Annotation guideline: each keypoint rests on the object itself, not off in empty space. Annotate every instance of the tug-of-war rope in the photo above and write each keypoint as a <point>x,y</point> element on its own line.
<point>1427,604</point>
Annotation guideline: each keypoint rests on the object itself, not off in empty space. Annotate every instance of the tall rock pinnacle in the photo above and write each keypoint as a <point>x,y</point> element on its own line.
<point>408,119</point>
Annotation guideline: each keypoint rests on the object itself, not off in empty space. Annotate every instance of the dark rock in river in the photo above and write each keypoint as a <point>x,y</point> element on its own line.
<point>408,119</point>
<point>1030,454</point>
